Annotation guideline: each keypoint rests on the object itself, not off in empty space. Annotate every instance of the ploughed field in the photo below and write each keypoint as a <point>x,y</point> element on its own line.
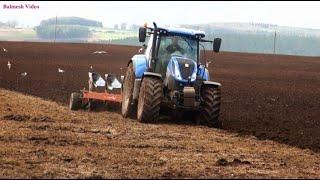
<point>270,112</point>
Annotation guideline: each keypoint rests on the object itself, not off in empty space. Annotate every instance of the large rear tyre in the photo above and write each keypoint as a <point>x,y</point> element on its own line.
<point>149,102</point>
<point>75,102</point>
<point>127,107</point>
<point>210,106</point>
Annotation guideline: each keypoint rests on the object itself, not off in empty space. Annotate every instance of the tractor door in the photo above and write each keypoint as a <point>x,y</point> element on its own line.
<point>163,57</point>
<point>149,48</point>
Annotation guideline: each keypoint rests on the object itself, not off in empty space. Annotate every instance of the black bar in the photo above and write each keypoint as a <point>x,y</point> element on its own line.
<point>204,40</point>
<point>154,41</point>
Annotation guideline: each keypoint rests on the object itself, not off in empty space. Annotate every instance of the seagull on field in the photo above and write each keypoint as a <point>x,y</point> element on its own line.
<point>4,50</point>
<point>61,70</point>
<point>9,65</point>
<point>24,74</point>
<point>99,52</point>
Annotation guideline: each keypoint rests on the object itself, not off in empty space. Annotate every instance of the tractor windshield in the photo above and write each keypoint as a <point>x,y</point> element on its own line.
<point>175,45</point>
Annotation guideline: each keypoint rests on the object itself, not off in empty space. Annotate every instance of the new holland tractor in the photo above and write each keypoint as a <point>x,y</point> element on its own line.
<point>169,74</point>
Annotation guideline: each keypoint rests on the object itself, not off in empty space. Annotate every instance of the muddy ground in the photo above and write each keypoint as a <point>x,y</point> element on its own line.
<point>270,113</point>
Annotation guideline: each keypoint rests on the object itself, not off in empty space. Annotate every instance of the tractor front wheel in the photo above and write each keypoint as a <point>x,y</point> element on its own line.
<point>150,98</point>
<point>210,106</point>
<point>127,109</point>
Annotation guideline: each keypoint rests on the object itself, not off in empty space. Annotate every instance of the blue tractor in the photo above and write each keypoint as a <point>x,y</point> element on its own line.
<point>169,74</point>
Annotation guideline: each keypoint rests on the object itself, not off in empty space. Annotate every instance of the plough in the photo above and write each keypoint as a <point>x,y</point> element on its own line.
<point>100,90</point>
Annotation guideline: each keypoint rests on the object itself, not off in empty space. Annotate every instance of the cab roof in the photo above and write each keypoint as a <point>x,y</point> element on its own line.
<point>190,33</point>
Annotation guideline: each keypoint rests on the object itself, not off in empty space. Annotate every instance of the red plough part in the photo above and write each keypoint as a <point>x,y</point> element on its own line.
<point>104,96</point>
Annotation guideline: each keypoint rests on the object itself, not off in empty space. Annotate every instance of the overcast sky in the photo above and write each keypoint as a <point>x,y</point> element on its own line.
<point>299,14</point>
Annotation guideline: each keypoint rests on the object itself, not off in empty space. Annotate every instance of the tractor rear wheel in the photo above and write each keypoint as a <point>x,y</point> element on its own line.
<point>75,101</point>
<point>210,106</point>
<point>127,109</point>
<point>150,97</point>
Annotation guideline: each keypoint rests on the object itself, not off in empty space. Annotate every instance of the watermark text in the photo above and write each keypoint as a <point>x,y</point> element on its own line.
<point>20,6</point>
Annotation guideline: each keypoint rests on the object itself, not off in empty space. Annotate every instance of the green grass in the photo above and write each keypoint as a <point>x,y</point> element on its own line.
<point>109,35</point>
<point>98,34</point>
<point>17,34</point>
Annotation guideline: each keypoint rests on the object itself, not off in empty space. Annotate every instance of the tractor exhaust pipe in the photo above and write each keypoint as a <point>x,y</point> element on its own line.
<point>153,53</point>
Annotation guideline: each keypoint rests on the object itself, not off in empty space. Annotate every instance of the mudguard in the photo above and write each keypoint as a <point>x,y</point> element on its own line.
<point>211,83</point>
<point>140,64</point>
<point>152,74</point>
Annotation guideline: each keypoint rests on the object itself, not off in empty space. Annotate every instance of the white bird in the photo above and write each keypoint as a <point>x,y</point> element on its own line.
<point>4,50</point>
<point>61,70</point>
<point>99,52</point>
<point>9,65</point>
<point>24,74</point>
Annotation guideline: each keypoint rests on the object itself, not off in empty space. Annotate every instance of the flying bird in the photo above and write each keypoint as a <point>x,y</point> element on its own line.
<point>24,74</point>
<point>61,70</point>
<point>9,65</point>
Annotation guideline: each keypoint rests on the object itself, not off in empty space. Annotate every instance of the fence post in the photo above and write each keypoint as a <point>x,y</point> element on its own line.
<point>274,42</point>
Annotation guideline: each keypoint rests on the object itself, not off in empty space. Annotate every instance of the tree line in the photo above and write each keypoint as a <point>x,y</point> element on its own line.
<point>65,28</point>
<point>70,21</point>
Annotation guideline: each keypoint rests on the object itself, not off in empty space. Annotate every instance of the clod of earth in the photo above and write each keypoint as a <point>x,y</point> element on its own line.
<point>13,117</point>
<point>42,119</point>
<point>236,161</point>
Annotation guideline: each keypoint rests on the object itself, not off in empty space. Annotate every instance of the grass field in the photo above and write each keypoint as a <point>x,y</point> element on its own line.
<point>111,34</point>
<point>15,34</point>
<point>98,34</point>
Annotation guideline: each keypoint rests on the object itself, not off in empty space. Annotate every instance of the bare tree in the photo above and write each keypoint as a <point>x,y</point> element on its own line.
<point>12,24</point>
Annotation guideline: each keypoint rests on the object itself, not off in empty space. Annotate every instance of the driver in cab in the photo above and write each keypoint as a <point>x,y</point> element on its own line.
<point>166,51</point>
<point>174,46</point>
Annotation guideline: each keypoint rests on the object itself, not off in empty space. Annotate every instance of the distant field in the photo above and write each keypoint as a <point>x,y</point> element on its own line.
<point>111,34</point>
<point>302,43</point>
<point>15,34</point>
<point>98,34</point>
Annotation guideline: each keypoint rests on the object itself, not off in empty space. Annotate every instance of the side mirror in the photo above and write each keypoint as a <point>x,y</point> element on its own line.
<point>216,44</point>
<point>142,34</point>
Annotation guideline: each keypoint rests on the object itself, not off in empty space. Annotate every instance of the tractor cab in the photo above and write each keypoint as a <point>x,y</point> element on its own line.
<point>179,46</point>
<point>171,42</point>
<point>175,46</point>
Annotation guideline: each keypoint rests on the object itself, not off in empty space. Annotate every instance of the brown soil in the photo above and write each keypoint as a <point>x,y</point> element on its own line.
<point>270,113</point>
